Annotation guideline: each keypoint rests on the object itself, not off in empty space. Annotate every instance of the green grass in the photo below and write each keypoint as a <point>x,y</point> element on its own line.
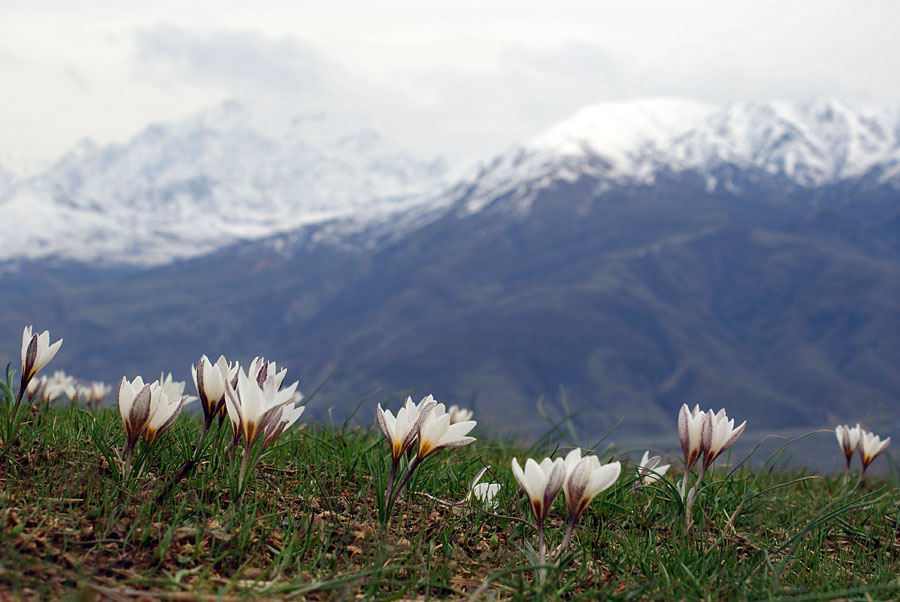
<point>307,528</point>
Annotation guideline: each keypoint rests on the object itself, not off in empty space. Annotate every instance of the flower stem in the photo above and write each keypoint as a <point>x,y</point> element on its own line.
<point>23,386</point>
<point>542,551</point>
<point>684,481</point>
<point>187,466</point>
<point>570,526</point>
<point>390,484</point>
<point>126,458</point>
<point>244,463</point>
<point>689,504</point>
<point>402,482</point>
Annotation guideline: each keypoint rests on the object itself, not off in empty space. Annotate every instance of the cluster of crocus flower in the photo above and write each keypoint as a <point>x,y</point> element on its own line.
<point>46,388</point>
<point>422,428</point>
<point>259,409</point>
<point>870,445</point>
<point>702,434</point>
<point>580,479</point>
<point>147,410</point>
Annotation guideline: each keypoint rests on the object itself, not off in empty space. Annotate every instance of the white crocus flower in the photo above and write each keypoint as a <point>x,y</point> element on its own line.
<point>585,478</point>
<point>870,447</point>
<point>485,493</point>
<point>37,387</point>
<point>257,402</point>
<point>690,432</point>
<point>718,435</point>
<point>260,370</point>
<point>541,483</point>
<point>60,384</point>
<point>649,470</point>
<point>436,432</point>
<point>99,391</point>
<point>174,389</point>
<point>402,431</point>
<point>458,414</point>
<point>135,405</point>
<point>848,439</point>
<point>94,392</point>
<point>289,414</point>
<point>209,380</point>
<point>36,353</point>
<point>164,409</point>
<point>252,406</point>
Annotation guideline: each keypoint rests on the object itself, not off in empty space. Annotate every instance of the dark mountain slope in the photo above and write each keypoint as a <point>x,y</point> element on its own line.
<point>634,300</point>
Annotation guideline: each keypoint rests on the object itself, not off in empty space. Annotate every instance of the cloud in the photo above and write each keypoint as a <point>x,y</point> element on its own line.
<point>243,64</point>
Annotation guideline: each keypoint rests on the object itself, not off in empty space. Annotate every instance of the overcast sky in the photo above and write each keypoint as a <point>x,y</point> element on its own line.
<point>463,78</point>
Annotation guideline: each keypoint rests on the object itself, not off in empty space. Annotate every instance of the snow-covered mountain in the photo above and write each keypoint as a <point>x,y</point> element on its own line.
<point>810,144</point>
<point>183,189</point>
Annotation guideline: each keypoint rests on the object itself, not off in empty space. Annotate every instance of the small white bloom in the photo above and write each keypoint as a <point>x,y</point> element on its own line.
<point>37,387</point>
<point>436,432</point>
<point>718,435</point>
<point>163,409</point>
<point>458,414</point>
<point>690,432</point>
<point>870,447</point>
<point>585,478</point>
<point>485,493</point>
<point>174,389</point>
<point>541,483</point>
<point>402,431</point>
<point>289,414</point>
<point>134,406</point>
<point>848,439</point>
<point>36,353</point>
<point>209,380</point>
<point>649,470</point>
<point>59,384</point>
<point>95,392</point>
<point>257,401</point>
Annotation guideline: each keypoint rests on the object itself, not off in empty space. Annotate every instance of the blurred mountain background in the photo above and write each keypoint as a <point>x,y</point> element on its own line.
<point>634,257</point>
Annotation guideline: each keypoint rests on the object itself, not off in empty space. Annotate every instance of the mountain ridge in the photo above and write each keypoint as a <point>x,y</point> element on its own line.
<point>180,190</point>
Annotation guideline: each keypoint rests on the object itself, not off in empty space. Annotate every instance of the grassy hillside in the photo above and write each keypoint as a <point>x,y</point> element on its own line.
<point>307,526</point>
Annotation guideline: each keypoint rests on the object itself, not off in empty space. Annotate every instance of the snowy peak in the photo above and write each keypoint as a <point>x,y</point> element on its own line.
<point>205,182</point>
<point>630,143</point>
<point>811,143</point>
<point>616,130</point>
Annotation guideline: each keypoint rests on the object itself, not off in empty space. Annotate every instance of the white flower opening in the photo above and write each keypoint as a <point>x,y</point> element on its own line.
<point>36,353</point>
<point>402,430</point>
<point>649,470</point>
<point>870,447</point>
<point>690,432</point>
<point>436,432</point>
<point>541,482</point>
<point>585,478</point>
<point>718,435</point>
